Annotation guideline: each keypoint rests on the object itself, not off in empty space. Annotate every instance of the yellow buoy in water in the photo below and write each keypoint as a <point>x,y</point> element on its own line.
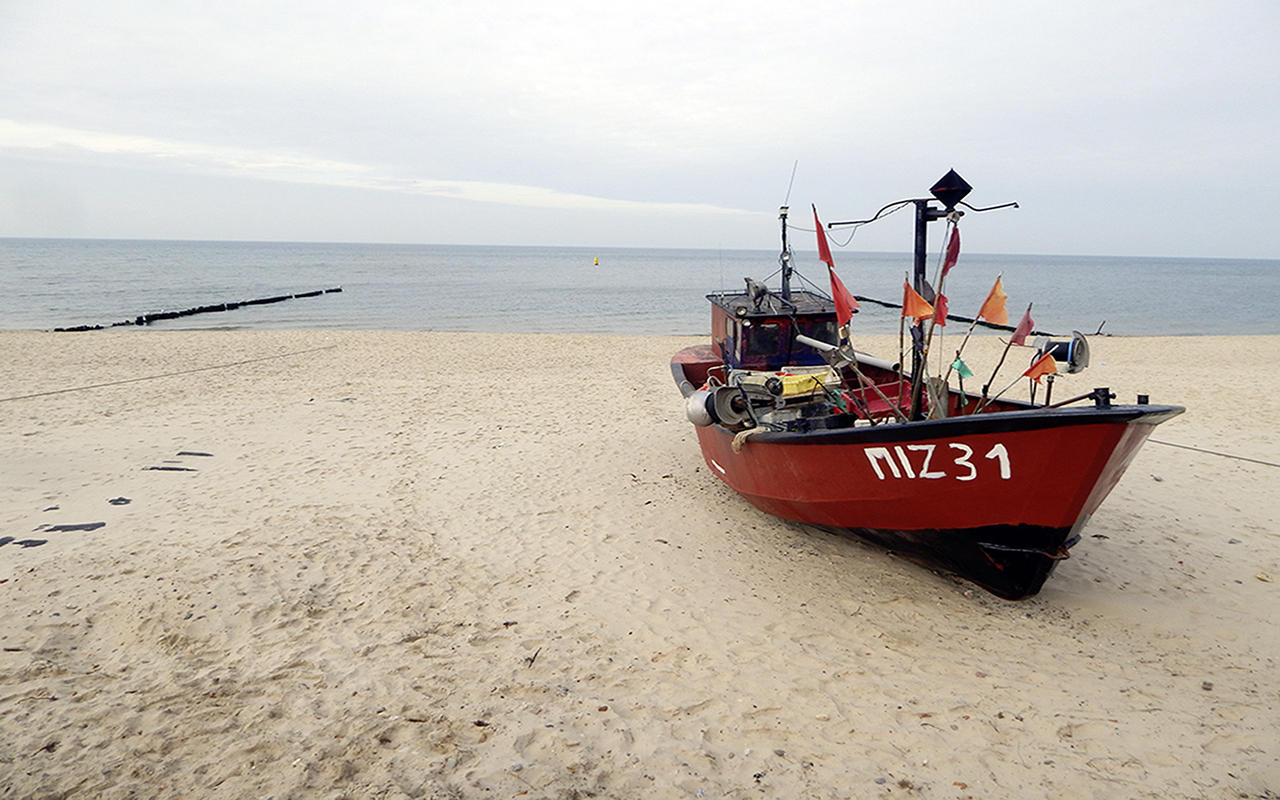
<point>597,261</point>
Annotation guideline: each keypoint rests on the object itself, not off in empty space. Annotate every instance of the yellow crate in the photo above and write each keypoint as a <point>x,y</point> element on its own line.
<point>802,384</point>
<point>797,380</point>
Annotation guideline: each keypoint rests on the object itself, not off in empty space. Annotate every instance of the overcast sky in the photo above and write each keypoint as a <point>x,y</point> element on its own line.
<point>1120,127</point>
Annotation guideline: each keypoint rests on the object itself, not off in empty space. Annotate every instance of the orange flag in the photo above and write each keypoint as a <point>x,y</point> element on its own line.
<point>1045,365</point>
<point>913,305</point>
<point>993,307</point>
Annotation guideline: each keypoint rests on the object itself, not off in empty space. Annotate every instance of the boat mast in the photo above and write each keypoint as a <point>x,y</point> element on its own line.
<point>949,191</point>
<point>925,214</point>
<point>785,257</point>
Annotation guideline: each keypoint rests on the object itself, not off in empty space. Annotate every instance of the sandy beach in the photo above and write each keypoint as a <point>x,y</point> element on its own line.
<point>356,564</point>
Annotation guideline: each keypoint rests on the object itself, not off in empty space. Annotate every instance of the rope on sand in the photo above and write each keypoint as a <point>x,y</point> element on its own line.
<point>1214,453</point>
<point>165,374</point>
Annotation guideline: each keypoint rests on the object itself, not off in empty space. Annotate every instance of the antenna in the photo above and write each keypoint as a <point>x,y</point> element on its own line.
<point>784,258</point>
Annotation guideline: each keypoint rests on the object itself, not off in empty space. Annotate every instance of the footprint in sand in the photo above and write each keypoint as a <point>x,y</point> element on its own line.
<point>82,526</point>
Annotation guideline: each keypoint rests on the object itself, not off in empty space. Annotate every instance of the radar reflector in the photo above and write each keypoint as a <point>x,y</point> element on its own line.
<point>951,189</point>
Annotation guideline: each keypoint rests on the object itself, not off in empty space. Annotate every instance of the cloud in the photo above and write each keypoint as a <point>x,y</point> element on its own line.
<point>1088,109</point>
<point>50,140</point>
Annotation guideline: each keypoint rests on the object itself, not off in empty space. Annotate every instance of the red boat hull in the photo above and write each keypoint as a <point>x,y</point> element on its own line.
<point>997,498</point>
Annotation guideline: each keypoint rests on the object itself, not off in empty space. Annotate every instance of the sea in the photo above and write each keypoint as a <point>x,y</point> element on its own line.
<point>47,284</point>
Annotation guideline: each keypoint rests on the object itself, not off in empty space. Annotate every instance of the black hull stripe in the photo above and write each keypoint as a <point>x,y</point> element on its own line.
<point>951,427</point>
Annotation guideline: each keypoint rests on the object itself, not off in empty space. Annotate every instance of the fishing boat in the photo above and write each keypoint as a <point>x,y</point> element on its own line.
<point>805,427</point>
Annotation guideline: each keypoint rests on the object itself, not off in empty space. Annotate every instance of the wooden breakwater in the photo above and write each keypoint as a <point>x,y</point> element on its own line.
<point>147,319</point>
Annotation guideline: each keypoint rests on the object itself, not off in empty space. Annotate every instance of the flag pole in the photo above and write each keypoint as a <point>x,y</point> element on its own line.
<point>902,326</point>
<point>1035,381</point>
<point>953,242</point>
<point>941,279</point>
<point>925,214</point>
<point>865,382</point>
<point>973,324</point>
<point>960,350</point>
<point>986,401</point>
<point>987,386</point>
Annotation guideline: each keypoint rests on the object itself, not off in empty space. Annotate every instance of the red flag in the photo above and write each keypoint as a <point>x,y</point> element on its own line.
<point>845,304</point>
<point>824,249</point>
<point>913,305</point>
<point>953,252</point>
<point>940,310</point>
<point>1024,327</point>
<point>1044,366</point>
<point>993,307</point>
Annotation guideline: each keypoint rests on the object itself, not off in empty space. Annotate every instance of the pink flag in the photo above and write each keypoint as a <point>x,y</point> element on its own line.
<point>953,252</point>
<point>1024,327</point>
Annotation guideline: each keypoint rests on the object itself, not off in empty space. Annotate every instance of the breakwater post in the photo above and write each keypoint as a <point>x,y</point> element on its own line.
<point>147,319</point>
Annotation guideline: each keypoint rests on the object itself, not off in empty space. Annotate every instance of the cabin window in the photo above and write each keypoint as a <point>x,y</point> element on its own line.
<point>765,339</point>
<point>727,340</point>
<point>823,331</point>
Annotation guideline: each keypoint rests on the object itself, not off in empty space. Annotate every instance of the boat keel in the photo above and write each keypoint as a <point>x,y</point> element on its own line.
<point>1009,561</point>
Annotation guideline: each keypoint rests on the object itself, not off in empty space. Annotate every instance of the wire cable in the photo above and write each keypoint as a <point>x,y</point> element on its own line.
<point>1214,453</point>
<point>164,375</point>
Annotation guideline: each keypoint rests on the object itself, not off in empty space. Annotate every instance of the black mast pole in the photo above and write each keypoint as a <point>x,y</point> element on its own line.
<point>924,215</point>
<point>923,218</point>
<point>949,191</point>
<point>785,257</point>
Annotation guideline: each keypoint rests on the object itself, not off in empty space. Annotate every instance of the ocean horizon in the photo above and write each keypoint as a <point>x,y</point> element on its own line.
<point>66,283</point>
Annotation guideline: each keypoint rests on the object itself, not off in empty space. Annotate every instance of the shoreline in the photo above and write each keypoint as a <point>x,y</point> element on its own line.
<point>429,564</point>
<point>981,331</point>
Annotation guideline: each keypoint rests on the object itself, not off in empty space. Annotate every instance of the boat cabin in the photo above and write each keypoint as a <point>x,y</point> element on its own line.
<point>756,329</point>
